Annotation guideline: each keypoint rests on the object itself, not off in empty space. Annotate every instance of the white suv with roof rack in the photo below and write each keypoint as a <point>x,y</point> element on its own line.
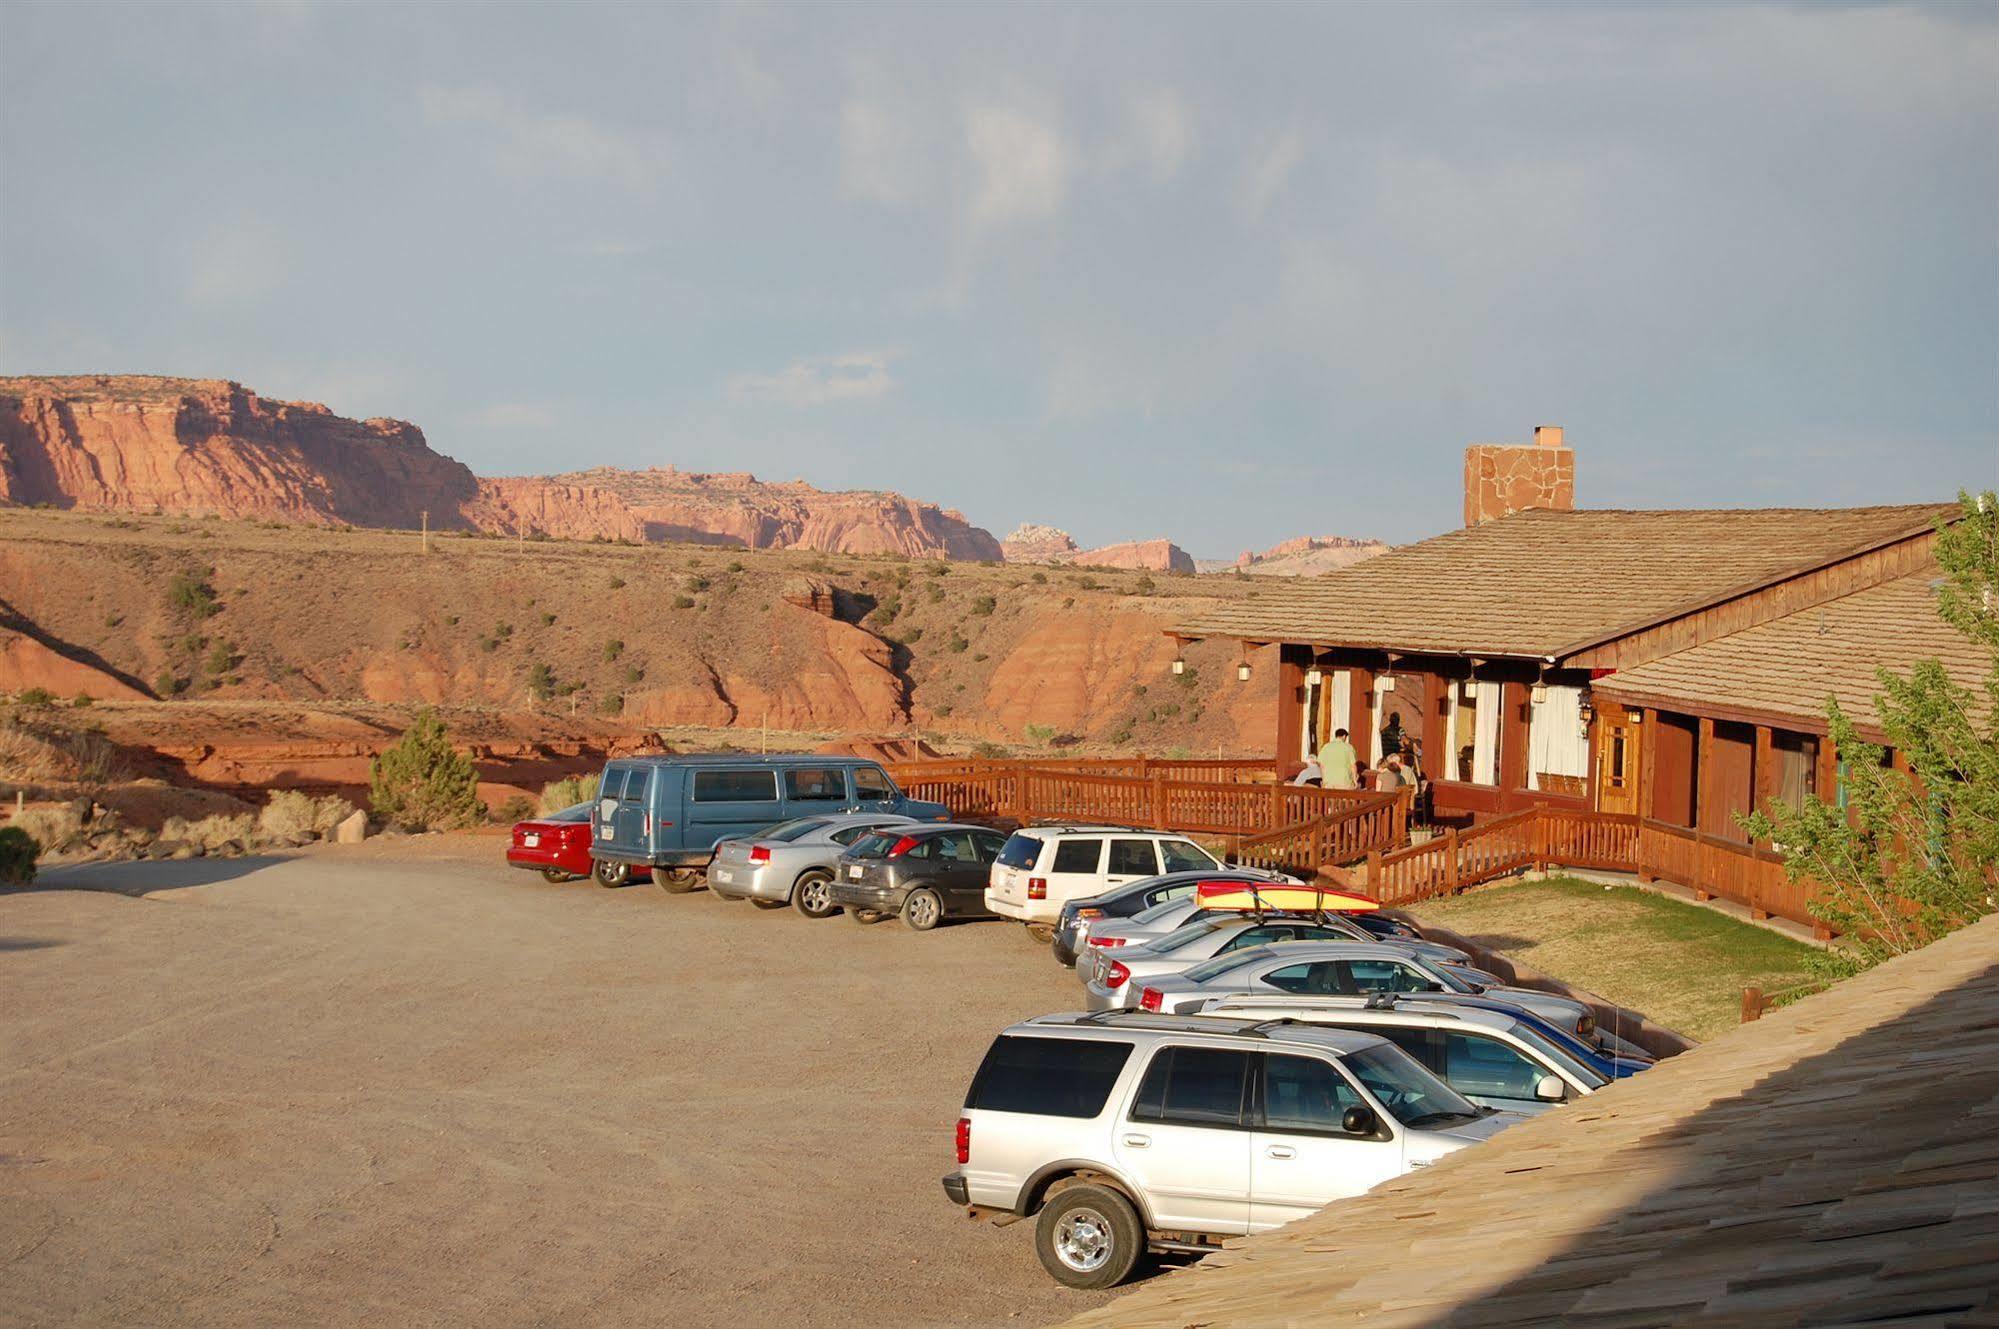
<point>1121,1133</point>
<point>1043,867</point>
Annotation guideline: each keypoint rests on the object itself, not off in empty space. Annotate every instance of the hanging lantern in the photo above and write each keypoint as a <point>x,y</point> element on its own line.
<point>1242,672</point>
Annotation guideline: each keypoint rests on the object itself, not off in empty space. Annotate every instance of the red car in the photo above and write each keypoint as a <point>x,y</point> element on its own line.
<point>558,845</point>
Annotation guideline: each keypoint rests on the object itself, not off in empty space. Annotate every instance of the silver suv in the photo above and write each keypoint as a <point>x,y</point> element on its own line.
<point>1121,1132</point>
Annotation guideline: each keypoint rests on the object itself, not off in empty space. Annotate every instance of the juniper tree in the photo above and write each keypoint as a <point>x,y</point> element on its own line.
<point>1913,853</point>
<point>422,782</point>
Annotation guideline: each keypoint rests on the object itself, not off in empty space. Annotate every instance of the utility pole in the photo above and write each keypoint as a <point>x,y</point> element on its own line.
<point>520,541</point>
<point>426,532</point>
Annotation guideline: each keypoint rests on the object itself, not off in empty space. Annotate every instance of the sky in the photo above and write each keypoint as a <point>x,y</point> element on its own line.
<point>1225,274</point>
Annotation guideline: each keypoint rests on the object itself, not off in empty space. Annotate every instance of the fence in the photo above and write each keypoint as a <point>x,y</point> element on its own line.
<point>1283,825</point>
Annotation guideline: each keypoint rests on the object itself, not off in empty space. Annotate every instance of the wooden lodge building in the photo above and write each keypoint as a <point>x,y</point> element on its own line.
<point>1665,669</point>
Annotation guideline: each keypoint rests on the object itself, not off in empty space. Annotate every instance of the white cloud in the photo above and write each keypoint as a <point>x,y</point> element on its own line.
<point>813,381</point>
<point>1270,171</point>
<point>530,144</point>
<point>881,151</point>
<point>1162,131</point>
<point>237,263</point>
<point>1021,165</point>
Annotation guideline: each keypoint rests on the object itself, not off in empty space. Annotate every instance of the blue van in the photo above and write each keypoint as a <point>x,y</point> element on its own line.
<point>669,812</point>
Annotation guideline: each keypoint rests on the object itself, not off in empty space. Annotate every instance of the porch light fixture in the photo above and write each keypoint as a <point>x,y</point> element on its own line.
<point>1242,672</point>
<point>1179,665</point>
<point>1313,678</point>
<point>1540,693</point>
<point>1585,708</point>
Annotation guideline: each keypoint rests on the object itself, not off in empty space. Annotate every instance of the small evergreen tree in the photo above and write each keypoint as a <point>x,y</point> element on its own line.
<point>1913,854</point>
<point>18,851</point>
<point>422,783</point>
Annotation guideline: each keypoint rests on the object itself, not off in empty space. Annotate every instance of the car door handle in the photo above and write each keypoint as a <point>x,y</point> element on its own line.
<point>1281,1151</point>
<point>1138,1141</point>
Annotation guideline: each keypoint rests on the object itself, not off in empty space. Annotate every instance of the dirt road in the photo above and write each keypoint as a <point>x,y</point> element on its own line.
<point>401,1084</point>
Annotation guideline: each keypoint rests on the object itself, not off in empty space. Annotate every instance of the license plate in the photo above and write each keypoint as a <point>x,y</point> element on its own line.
<point>722,875</point>
<point>854,874</point>
<point>531,841</point>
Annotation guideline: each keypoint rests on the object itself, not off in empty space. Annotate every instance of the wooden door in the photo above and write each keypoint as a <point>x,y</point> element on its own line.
<point>1617,750</point>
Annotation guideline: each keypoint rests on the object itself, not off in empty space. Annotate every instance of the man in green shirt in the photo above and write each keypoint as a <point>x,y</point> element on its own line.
<point>1338,764</point>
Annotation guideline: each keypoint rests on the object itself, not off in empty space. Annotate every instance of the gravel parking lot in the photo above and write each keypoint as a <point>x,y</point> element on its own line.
<point>399,1083</point>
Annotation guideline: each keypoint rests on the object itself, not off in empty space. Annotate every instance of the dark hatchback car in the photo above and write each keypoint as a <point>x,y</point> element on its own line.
<point>924,873</point>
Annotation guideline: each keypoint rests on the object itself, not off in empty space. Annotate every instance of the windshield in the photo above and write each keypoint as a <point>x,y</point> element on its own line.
<point>1548,1051</point>
<point>1019,851</point>
<point>1411,1094</point>
<point>1188,935</point>
<point>1458,979</point>
<point>1221,964</point>
<point>787,831</point>
<point>875,844</point>
<point>1161,910</point>
<point>581,812</point>
<point>1185,856</point>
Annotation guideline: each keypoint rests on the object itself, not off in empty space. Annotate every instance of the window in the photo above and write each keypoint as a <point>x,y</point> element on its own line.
<point>613,783</point>
<point>1020,851</point>
<point>1411,1094</point>
<point>871,784</point>
<point>988,845</point>
<point>1557,741</point>
<point>581,812</point>
<point>1078,855</point>
<point>1256,937</point>
<point>876,844</point>
<point>1193,1086</point>
<point>849,834</point>
<point>1222,964</point>
<point>1052,1077</point>
<point>923,851</point>
<point>956,847</point>
<point>1324,978</point>
<point>1186,856</point>
<point>1473,740</point>
<point>1305,1094</point>
<point>1476,1064</point>
<point>735,786</point>
<point>1162,894</point>
<point>1385,976</point>
<point>1425,1046</point>
<point>1797,767</point>
<point>795,829</point>
<point>816,784</point>
<point>1131,858</point>
<point>1181,938</point>
<point>636,780</point>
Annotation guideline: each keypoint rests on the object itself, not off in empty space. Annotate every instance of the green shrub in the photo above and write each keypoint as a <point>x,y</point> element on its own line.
<point>612,650</point>
<point>736,565</point>
<point>423,783</point>
<point>35,697</point>
<point>1143,586</point>
<point>168,684</point>
<point>52,829</point>
<point>634,674</point>
<point>912,636</point>
<point>696,584</point>
<point>548,620</point>
<point>1039,579</point>
<point>612,705</point>
<point>518,808</point>
<point>82,700</point>
<point>221,658</point>
<point>683,602</point>
<point>541,681</point>
<point>18,852</point>
<point>292,815</point>
<point>617,583</point>
<point>568,792</point>
<point>957,645</point>
<point>1039,734</point>
<point>983,606</point>
<point>1087,583</point>
<point>189,592</point>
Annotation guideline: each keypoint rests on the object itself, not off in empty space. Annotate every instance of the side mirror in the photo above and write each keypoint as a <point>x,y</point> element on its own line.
<point>1551,1089</point>
<point>1358,1121</point>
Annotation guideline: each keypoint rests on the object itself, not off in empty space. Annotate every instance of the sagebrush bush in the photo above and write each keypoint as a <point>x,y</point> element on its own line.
<point>518,808</point>
<point>18,852</point>
<point>213,833</point>
<point>422,782</point>
<point>39,752</point>
<point>568,792</point>
<point>292,814</point>
<point>54,828</point>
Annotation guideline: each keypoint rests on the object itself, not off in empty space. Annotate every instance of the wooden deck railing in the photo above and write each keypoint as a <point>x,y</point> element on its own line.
<point>1201,797</point>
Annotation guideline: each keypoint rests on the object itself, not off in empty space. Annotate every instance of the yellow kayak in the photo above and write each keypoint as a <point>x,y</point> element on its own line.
<point>1281,897</point>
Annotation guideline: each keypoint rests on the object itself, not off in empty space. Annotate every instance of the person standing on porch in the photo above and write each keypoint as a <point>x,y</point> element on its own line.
<point>1338,763</point>
<point>1391,735</point>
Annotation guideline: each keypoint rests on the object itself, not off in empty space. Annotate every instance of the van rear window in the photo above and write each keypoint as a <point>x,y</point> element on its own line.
<point>1050,1077</point>
<point>635,784</point>
<point>1019,851</point>
<point>751,786</point>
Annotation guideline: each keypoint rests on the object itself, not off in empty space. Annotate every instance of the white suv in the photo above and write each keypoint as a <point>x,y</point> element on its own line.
<point>1126,1132</point>
<point>1043,867</point>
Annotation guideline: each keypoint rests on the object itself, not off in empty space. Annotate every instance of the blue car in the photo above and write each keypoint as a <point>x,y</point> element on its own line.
<point>669,813</point>
<point>1614,1065</point>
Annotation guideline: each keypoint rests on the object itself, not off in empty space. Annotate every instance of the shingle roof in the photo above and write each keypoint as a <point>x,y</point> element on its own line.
<point>1544,583</point>
<point>1790,665</point>
<point>1835,1162</point>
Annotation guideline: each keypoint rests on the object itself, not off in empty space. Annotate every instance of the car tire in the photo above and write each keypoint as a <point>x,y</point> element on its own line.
<point>611,874</point>
<point>864,916</point>
<point>922,910</point>
<point>557,875</point>
<point>1089,1237</point>
<point>677,881</point>
<point>812,893</point>
<point>762,903</point>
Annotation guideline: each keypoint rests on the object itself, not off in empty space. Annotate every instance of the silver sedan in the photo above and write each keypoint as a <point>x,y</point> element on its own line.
<point>1112,976</point>
<point>1149,926</point>
<point>793,861</point>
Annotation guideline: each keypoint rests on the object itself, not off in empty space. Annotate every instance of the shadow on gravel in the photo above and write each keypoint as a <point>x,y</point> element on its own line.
<point>26,944</point>
<point>146,877</point>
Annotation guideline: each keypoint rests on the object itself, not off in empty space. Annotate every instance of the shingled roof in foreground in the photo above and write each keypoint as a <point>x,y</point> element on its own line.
<point>1836,1162</point>
<point>1544,583</point>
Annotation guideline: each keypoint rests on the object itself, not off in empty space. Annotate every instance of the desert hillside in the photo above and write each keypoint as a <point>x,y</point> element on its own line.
<point>636,637</point>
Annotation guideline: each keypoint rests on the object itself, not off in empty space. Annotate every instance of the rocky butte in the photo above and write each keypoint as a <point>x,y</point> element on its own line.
<point>1032,543</point>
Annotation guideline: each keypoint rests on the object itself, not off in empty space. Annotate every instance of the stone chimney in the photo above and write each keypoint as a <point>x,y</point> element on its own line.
<point>1504,478</point>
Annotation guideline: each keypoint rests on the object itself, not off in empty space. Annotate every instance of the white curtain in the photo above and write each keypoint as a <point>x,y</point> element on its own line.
<point>1383,703</point>
<point>1485,733</point>
<point>1556,742</point>
<point>1342,703</point>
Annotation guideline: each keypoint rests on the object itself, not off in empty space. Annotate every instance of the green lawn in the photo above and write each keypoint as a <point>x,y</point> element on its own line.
<point>1680,964</point>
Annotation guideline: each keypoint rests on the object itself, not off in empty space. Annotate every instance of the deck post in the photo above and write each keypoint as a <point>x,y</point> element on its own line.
<point>1752,1004</point>
<point>1159,800</point>
<point>1453,874</point>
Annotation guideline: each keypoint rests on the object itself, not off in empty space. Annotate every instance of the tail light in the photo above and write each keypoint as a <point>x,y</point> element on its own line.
<point>902,846</point>
<point>1106,941</point>
<point>964,1139</point>
<point>759,853</point>
<point>1117,976</point>
<point>1037,888</point>
<point>1089,913</point>
<point>1586,1025</point>
<point>1150,1000</point>
<point>646,825</point>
